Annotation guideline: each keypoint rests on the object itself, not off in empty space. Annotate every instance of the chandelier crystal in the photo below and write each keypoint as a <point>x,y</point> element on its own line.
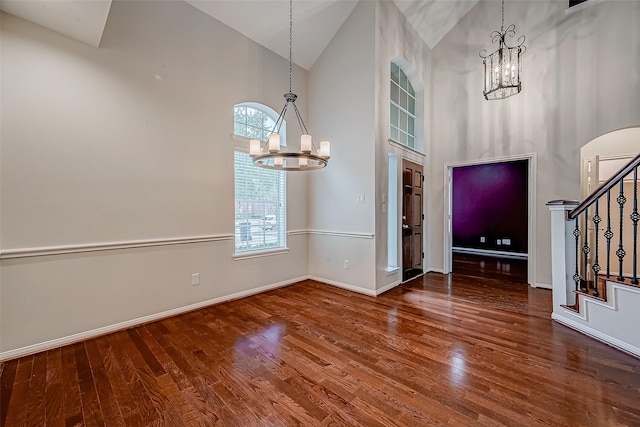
<point>269,154</point>
<point>503,68</point>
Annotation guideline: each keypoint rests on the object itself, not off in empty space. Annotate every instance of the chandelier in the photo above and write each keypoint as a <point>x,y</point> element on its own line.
<point>269,154</point>
<point>502,68</point>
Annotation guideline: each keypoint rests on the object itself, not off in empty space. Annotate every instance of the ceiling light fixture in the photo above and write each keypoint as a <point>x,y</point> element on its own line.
<point>502,68</point>
<point>269,154</point>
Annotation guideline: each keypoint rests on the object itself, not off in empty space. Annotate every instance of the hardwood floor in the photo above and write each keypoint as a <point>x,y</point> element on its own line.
<point>448,350</point>
<point>504,269</point>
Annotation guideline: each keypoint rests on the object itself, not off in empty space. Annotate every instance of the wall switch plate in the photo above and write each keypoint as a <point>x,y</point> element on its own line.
<point>195,279</point>
<point>360,198</point>
<point>346,264</point>
<point>506,242</point>
<point>499,242</point>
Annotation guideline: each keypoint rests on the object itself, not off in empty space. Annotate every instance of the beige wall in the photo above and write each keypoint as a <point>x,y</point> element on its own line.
<point>127,144</point>
<point>581,76</point>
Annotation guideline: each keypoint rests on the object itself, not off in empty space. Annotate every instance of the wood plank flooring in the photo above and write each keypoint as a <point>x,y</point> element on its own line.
<point>440,350</point>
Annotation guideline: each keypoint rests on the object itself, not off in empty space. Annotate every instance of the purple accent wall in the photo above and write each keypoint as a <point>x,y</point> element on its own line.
<point>490,200</point>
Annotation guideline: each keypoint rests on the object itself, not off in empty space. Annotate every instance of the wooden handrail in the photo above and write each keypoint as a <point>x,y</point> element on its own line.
<point>633,163</point>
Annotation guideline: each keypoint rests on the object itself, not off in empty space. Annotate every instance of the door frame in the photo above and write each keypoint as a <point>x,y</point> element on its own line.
<point>531,217</point>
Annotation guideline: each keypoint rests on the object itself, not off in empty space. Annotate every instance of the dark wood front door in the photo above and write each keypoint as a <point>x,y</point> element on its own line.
<point>412,219</point>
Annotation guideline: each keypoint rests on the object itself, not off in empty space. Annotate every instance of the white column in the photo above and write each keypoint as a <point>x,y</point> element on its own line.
<point>563,253</point>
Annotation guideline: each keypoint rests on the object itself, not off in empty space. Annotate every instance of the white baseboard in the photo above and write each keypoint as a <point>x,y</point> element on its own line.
<point>543,286</point>
<point>613,342</point>
<point>434,270</point>
<point>387,288</point>
<point>59,342</point>
<point>346,286</point>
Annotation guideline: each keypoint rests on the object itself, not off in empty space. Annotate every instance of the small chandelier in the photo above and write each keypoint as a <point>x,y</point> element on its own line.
<point>268,154</point>
<point>502,68</point>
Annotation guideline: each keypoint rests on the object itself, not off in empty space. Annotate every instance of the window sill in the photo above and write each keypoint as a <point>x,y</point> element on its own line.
<point>392,270</point>
<point>405,147</point>
<point>259,254</point>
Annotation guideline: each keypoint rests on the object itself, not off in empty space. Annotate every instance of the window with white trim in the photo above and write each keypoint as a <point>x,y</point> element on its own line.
<point>403,108</point>
<point>260,194</point>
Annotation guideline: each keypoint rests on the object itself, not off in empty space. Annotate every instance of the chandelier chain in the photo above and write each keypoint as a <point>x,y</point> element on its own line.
<point>290,42</point>
<point>502,24</point>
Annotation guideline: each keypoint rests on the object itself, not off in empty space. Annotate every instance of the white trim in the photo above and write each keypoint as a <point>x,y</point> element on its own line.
<point>391,270</point>
<point>434,270</point>
<point>531,196</point>
<point>259,254</point>
<point>488,252</point>
<point>543,286</point>
<point>387,287</point>
<point>70,339</point>
<point>109,246</point>
<point>404,147</point>
<point>614,342</point>
<point>297,232</point>
<point>341,234</point>
<point>348,287</point>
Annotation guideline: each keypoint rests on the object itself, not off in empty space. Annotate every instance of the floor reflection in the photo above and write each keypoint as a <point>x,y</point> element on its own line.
<point>260,346</point>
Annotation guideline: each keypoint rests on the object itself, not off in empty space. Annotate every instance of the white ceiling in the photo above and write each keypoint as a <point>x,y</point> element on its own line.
<point>80,20</point>
<point>315,22</point>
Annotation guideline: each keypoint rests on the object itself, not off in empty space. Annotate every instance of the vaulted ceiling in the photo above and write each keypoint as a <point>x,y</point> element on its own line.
<point>315,22</point>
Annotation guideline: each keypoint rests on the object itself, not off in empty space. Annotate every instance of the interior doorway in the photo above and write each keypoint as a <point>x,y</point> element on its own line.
<point>412,219</point>
<point>495,245</point>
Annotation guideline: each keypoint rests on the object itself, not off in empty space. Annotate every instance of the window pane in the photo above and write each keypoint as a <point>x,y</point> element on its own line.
<point>239,114</point>
<point>410,89</point>
<point>411,142</point>
<point>403,138</point>
<point>395,93</point>
<point>259,206</point>
<point>395,73</point>
<point>403,80</point>
<point>394,115</point>
<point>410,129</point>
<point>394,133</point>
<point>412,106</point>
<point>269,123</point>
<point>403,100</point>
<point>402,125</point>
<point>239,129</point>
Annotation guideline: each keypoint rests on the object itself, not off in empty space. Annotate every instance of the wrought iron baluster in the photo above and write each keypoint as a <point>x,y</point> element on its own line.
<point>635,217</point>
<point>608,234</point>
<point>585,250</point>
<point>620,252</point>
<point>576,275</point>
<point>596,266</point>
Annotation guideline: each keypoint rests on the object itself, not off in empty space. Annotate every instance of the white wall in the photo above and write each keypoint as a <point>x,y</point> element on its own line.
<point>581,77</point>
<point>129,142</point>
<point>341,85</point>
<point>397,41</point>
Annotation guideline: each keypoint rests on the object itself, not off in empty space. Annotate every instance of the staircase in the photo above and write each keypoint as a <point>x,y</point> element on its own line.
<point>594,251</point>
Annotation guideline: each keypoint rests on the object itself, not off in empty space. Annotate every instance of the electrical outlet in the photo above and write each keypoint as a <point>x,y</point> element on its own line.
<point>360,198</point>
<point>498,242</point>
<point>483,239</point>
<point>346,264</point>
<point>506,242</point>
<point>195,279</point>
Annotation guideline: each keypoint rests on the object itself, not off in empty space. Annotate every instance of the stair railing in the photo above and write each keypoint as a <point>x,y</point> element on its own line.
<point>587,268</point>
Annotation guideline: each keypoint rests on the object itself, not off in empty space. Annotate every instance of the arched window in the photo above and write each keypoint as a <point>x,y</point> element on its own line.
<point>403,108</point>
<point>260,194</point>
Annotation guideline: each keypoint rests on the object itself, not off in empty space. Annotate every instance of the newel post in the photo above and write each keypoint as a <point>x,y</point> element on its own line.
<point>563,252</point>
